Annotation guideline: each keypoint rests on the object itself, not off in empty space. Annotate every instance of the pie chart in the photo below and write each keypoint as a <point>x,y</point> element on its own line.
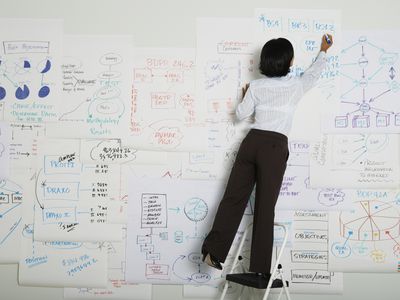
<point>2,93</point>
<point>44,66</point>
<point>22,92</point>
<point>196,209</point>
<point>371,220</point>
<point>44,91</point>
<point>22,66</point>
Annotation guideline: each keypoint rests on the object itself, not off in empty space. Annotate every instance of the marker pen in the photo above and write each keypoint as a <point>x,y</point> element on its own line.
<point>327,39</point>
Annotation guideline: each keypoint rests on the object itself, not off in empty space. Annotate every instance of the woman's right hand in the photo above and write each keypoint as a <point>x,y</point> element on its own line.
<point>325,45</point>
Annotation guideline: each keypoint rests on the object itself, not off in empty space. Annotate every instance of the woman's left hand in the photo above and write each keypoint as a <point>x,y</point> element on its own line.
<point>244,89</point>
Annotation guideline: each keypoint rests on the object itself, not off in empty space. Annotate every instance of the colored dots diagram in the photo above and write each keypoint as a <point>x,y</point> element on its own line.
<point>370,88</point>
<point>29,69</point>
<point>21,77</point>
<point>366,239</point>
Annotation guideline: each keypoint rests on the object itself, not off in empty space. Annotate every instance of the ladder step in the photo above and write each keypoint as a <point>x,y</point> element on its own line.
<point>254,280</point>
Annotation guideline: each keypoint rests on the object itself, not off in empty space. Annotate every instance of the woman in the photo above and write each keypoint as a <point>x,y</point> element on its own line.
<point>262,157</point>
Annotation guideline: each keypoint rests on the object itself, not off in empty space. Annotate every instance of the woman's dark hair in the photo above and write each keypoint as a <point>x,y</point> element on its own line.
<point>275,57</point>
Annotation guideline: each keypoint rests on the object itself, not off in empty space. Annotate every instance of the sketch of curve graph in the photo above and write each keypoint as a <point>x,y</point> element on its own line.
<point>370,87</point>
<point>105,102</point>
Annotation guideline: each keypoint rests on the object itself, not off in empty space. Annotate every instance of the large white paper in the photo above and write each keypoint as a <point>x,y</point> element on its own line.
<point>96,87</point>
<point>166,114</point>
<point>304,29</point>
<point>225,63</point>
<point>366,239</point>
<point>369,84</point>
<point>296,192</point>
<point>355,161</point>
<point>57,263</point>
<point>30,69</point>
<point>117,287</point>
<point>76,202</point>
<point>5,139</point>
<point>168,221</point>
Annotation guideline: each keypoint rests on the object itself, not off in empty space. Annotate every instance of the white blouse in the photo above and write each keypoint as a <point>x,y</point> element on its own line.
<point>274,99</point>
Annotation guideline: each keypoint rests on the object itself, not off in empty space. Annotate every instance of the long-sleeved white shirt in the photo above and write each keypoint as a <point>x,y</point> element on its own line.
<point>274,99</point>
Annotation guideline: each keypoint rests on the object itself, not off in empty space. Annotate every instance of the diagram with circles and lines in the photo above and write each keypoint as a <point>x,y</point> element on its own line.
<point>371,220</point>
<point>196,209</point>
<point>369,87</point>
<point>352,149</point>
<point>22,75</point>
<point>367,229</point>
<point>105,99</point>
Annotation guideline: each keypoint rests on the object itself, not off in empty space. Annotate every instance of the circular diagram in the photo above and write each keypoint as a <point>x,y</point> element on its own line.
<point>376,142</point>
<point>44,91</point>
<point>371,220</point>
<point>44,66</point>
<point>196,209</point>
<point>2,93</point>
<point>22,92</point>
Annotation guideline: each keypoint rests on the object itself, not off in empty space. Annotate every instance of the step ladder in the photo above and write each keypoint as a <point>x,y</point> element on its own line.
<point>277,272</point>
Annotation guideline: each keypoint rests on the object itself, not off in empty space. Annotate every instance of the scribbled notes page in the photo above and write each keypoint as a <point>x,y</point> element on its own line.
<point>96,87</point>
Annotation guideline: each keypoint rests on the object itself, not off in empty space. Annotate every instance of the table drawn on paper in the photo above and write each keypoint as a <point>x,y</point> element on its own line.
<point>308,255</point>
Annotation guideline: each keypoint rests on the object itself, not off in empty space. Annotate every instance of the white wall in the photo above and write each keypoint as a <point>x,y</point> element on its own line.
<point>171,23</point>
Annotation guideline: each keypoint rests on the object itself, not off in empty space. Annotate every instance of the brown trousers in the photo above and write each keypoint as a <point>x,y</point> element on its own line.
<point>261,160</point>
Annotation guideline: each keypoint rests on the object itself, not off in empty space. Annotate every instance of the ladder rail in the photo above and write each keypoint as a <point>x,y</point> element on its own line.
<point>277,263</point>
<point>275,268</point>
<point>236,259</point>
